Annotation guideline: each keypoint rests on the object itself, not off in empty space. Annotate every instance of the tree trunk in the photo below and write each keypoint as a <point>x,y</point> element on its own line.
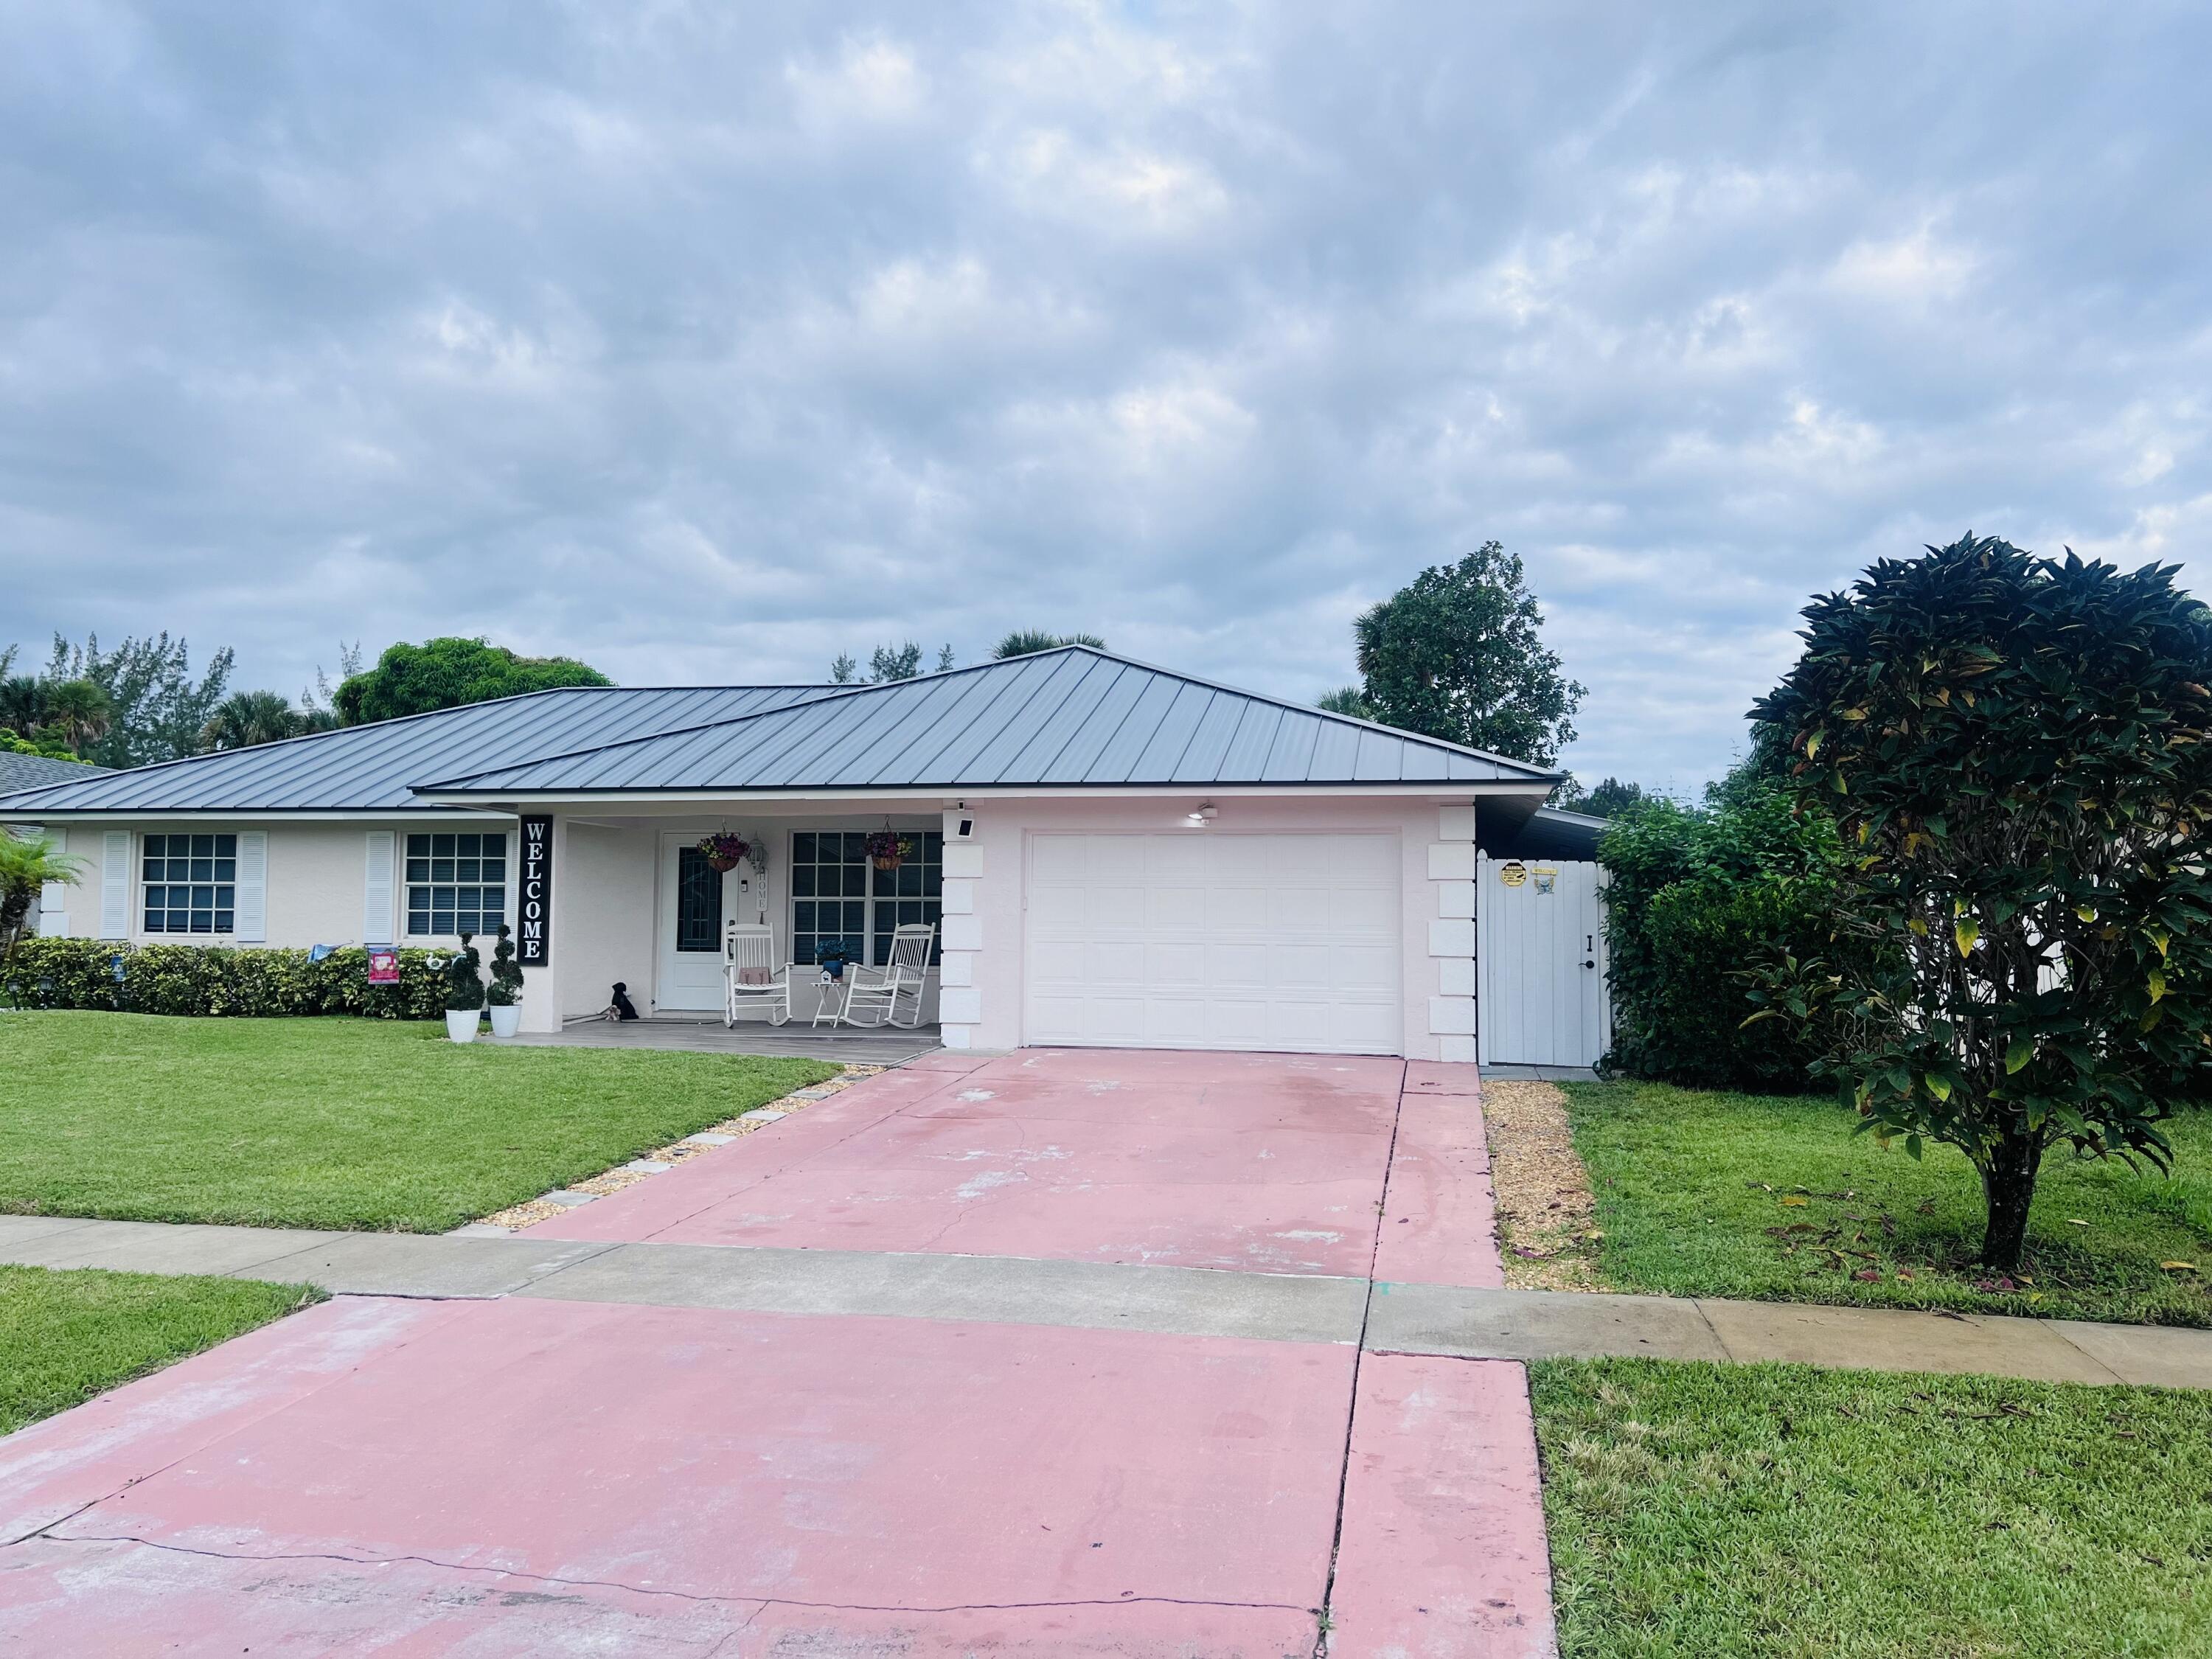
<point>2008,1188</point>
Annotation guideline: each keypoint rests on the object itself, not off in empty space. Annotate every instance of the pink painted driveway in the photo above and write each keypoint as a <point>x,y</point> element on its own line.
<point>542,1475</point>
<point>1266,1162</point>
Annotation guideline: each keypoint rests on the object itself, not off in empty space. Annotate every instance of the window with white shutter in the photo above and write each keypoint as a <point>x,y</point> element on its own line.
<point>376,891</point>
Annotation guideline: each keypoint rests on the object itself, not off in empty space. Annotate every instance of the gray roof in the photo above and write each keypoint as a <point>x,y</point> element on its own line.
<point>1071,718</point>
<point>31,771</point>
<point>372,768</point>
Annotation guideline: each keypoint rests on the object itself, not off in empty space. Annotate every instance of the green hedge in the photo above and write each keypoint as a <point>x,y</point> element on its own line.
<point>192,979</point>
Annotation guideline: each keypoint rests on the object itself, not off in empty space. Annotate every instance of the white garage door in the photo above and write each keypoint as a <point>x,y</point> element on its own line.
<point>1207,940</point>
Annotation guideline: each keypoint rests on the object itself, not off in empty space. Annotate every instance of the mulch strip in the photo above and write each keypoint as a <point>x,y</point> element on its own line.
<point>1544,1203</point>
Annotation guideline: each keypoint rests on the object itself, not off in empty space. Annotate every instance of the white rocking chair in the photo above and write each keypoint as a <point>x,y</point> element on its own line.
<point>751,977</point>
<point>877,992</point>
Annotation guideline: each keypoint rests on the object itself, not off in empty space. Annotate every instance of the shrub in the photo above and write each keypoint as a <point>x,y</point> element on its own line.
<point>1696,897</point>
<point>218,980</point>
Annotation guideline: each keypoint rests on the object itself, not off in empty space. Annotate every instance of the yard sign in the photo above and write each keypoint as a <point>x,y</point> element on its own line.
<point>383,965</point>
<point>536,932</point>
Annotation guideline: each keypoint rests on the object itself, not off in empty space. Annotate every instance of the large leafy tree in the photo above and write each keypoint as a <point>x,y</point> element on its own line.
<point>1458,654</point>
<point>2015,749</point>
<point>446,673</point>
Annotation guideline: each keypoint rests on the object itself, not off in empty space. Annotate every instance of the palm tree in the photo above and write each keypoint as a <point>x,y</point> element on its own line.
<point>26,864</point>
<point>79,712</point>
<point>1348,700</point>
<point>246,718</point>
<point>1028,641</point>
<point>22,704</point>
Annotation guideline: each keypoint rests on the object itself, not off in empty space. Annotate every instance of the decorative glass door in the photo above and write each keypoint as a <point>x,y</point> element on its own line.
<point>698,901</point>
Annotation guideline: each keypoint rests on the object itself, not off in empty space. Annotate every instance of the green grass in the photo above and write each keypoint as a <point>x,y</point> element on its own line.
<point>1774,1199</point>
<point>343,1123</point>
<point>1711,1511</point>
<point>65,1336</point>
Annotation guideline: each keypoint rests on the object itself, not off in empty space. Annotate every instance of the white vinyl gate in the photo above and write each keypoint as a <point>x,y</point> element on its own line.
<point>1540,953</point>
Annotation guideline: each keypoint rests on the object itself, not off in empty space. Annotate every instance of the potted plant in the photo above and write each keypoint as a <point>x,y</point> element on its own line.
<point>724,851</point>
<point>888,848</point>
<point>504,995</point>
<point>464,993</point>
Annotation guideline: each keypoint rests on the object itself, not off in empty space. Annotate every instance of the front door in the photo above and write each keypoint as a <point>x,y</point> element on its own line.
<point>691,906</point>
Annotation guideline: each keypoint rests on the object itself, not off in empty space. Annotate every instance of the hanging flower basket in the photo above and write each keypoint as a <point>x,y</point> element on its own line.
<point>888,849</point>
<point>724,852</point>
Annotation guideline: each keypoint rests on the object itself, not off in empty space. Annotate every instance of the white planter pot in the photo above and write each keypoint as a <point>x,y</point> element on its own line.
<point>506,1022</point>
<point>461,1024</point>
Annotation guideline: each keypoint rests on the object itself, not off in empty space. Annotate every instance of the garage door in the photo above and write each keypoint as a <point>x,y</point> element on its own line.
<point>1207,940</point>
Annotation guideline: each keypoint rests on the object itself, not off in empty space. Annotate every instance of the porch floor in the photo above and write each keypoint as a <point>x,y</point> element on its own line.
<point>843,1045</point>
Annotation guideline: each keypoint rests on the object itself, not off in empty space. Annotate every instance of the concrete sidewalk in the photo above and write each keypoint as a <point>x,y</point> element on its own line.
<point>1456,1321</point>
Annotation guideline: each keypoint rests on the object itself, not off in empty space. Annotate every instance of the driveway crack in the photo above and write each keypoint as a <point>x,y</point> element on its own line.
<point>758,1602</point>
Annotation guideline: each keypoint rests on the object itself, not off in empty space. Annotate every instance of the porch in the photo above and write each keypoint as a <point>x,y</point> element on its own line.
<point>840,1045</point>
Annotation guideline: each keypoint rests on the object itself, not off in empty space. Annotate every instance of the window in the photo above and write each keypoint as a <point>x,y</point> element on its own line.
<point>698,903</point>
<point>456,884</point>
<point>840,900</point>
<point>190,884</point>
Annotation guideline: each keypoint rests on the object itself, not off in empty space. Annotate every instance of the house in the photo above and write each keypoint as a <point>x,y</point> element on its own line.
<point>1115,854</point>
<point>32,771</point>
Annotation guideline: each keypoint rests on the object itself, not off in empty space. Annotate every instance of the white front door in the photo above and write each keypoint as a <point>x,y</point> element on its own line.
<point>693,903</point>
<point>1539,946</point>
<point>1206,940</point>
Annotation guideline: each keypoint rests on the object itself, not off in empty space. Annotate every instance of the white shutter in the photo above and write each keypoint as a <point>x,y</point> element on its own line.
<point>115,884</point>
<point>249,918</point>
<point>376,893</point>
<point>53,897</point>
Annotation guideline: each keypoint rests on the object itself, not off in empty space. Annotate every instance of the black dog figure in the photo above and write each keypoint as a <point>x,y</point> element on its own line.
<point>622,1008</point>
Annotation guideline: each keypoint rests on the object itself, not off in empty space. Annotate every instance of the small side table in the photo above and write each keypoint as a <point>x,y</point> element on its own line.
<point>836,993</point>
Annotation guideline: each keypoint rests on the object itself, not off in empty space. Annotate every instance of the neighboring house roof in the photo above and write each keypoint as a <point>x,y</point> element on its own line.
<point>32,771</point>
<point>1073,718</point>
<point>372,768</point>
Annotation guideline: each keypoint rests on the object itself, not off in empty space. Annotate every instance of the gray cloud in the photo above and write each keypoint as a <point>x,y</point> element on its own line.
<point>704,344</point>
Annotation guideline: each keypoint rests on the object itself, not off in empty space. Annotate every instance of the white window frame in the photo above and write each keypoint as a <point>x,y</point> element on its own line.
<point>403,888</point>
<point>869,899</point>
<point>140,885</point>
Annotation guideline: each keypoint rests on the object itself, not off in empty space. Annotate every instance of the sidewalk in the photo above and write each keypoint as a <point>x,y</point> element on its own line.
<point>1455,1321</point>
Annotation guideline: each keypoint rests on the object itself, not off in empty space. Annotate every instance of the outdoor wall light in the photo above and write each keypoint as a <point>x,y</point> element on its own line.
<point>1205,815</point>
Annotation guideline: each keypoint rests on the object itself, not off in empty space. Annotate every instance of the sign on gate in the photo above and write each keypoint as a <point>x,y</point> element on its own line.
<point>534,893</point>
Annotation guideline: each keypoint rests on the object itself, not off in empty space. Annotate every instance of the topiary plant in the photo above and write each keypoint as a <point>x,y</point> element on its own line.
<point>463,981</point>
<point>505,989</point>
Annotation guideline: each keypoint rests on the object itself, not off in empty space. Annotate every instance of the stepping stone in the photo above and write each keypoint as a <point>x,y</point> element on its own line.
<point>567,1200</point>
<point>706,1141</point>
<point>647,1166</point>
<point>817,1091</point>
<point>762,1114</point>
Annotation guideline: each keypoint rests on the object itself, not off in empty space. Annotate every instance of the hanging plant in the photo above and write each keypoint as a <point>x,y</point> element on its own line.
<point>888,848</point>
<point>724,851</point>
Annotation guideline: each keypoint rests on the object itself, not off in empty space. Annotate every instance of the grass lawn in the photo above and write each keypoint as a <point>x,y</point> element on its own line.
<point>1774,1199</point>
<point>343,1123</point>
<point>66,1336</point>
<point>1707,1510</point>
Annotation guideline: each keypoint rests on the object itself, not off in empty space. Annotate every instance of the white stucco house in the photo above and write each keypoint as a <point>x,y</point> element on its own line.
<point>1114,854</point>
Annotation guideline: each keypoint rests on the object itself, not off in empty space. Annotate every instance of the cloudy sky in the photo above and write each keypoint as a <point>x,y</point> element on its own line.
<point>705,341</point>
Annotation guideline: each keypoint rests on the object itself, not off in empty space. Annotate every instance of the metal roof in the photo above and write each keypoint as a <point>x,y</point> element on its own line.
<point>1071,718</point>
<point>372,768</point>
<point>34,771</point>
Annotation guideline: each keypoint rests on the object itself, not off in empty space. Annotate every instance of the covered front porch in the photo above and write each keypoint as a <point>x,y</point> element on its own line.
<point>638,901</point>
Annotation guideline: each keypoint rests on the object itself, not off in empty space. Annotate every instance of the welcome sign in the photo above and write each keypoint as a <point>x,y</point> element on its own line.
<point>534,929</point>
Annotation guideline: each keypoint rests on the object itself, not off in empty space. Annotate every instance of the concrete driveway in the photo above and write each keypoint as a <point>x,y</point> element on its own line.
<point>1057,1353</point>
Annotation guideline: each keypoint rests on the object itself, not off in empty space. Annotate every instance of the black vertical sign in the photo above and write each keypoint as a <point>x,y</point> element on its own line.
<point>535,923</point>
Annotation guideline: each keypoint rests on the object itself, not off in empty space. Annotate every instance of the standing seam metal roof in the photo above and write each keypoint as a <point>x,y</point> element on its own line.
<point>372,768</point>
<point>1073,717</point>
